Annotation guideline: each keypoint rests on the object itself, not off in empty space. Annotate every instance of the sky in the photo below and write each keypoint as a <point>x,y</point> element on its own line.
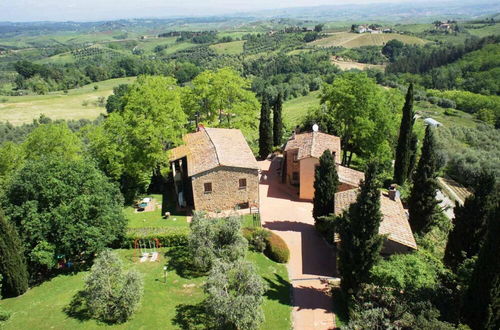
<point>94,10</point>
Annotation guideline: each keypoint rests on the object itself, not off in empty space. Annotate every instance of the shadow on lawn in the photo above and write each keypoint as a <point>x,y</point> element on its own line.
<point>192,317</point>
<point>78,308</point>
<point>180,259</point>
<point>278,289</point>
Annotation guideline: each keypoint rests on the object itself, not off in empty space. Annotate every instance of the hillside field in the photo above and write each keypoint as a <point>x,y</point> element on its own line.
<point>23,109</point>
<point>353,40</point>
<point>230,48</point>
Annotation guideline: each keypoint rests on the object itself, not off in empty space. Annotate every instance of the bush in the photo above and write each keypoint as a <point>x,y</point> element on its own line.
<point>263,240</point>
<point>110,295</point>
<point>257,238</point>
<point>276,249</point>
<point>215,238</point>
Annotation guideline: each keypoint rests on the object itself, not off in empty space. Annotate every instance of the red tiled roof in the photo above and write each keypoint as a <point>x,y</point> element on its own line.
<point>350,176</point>
<point>313,144</point>
<point>212,147</point>
<point>394,221</point>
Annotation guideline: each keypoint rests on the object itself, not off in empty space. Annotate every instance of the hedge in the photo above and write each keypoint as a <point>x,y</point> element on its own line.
<point>276,248</point>
<point>166,236</point>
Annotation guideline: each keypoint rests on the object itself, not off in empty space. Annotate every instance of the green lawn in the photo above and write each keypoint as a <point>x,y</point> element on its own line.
<point>58,105</point>
<point>154,219</point>
<point>295,110</point>
<point>170,305</point>
<point>448,117</point>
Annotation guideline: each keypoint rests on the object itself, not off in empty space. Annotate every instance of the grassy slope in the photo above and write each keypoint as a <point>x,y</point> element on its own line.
<point>230,48</point>
<point>57,105</point>
<point>352,40</point>
<point>295,110</point>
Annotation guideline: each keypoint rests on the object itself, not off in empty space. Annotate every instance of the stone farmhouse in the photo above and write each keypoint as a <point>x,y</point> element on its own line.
<point>301,156</point>
<point>215,170</point>
<point>394,220</point>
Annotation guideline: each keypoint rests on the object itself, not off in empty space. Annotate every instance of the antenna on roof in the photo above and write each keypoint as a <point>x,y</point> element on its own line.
<point>315,127</point>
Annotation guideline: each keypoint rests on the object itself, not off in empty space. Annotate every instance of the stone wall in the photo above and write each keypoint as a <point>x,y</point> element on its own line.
<point>292,166</point>
<point>226,193</point>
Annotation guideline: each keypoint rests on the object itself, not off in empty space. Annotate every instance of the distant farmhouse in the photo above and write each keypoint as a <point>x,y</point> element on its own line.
<point>215,170</point>
<point>301,156</point>
<point>372,28</point>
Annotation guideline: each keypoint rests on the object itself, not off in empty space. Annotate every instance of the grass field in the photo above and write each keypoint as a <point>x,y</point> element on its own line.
<point>353,40</point>
<point>347,65</point>
<point>448,117</point>
<point>23,109</point>
<point>230,48</point>
<point>171,305</point>
<point>295,110</point>
<point>485,30</point>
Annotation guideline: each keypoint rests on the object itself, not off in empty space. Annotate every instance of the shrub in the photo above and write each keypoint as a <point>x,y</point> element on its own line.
<point>234,295</point>
<point>215,238</point>
<point>167,237</point>
<point>257,238</point>
<point>446,103</point>
<point>276,248</point>
<point>110,295</point>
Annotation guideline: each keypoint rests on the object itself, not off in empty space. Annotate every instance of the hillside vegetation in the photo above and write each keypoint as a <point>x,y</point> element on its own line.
<point>353,40</point>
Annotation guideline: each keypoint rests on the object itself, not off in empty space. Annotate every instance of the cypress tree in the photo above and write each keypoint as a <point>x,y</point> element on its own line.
<point>413,154</point>
<point>326,182</point>
<point>12,263</point>
<point>403,149</point>
<point>360,242</point>
<point>278,120</point>
<point>265,130</point>
<point>481,303</point>
<point>470,222</point>
<point>422,202</point>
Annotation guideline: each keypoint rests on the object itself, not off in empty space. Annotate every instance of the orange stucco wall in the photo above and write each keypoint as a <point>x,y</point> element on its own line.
<point>307,168</point>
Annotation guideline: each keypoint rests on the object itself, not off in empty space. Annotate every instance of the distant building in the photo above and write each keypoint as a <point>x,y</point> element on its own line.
<point>394,223</point>
<point>432,122</point>
<point>301,156</point>
<point>215,170</point>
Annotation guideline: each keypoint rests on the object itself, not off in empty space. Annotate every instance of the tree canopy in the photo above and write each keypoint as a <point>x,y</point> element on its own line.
<point>363,116</point>
<point>131,144</point>
<point>64,207</point>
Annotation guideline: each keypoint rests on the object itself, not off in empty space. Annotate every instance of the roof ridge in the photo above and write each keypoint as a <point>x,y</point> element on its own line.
<point>213,144</point>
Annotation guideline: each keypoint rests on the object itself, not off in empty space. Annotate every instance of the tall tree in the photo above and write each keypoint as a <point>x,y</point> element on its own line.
<point>326,182</point>
<point>221,98</point>
<point>422,203</point>
<point>130,144</point>
<point>481,303</point>
<point>265,130</point>
<point>403,149</point>
<point>470,222</point>
<point>360,242</point>
<point>278,120</point>
<point>12,262</point>
<point>362,115</point>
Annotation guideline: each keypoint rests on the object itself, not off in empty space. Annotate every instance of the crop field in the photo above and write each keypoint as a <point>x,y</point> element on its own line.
<point>58,105</point>
<point>353,40</point>
<point>230,48</point>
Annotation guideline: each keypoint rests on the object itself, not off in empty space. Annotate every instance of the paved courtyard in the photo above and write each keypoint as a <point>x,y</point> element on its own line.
<point>312,261</point>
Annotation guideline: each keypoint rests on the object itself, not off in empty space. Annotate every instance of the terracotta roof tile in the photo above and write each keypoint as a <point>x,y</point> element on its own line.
<point>213,147</point>
<point>394,223</point>
<point>313,144</point>
<point>350,176</point>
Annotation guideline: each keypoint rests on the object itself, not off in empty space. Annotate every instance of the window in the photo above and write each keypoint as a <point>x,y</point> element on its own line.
<point>208,187</point>
<point>295,176</point>
<point>295,157</point>
<point>243,183</point>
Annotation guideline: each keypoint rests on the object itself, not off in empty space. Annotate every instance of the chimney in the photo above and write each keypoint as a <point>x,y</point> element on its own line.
<point>393,192</point>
